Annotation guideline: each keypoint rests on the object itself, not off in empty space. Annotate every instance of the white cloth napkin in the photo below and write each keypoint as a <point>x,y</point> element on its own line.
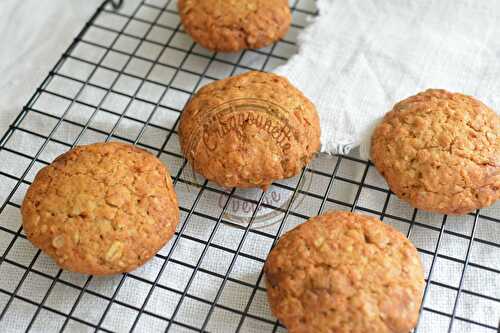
<point>360,57</point>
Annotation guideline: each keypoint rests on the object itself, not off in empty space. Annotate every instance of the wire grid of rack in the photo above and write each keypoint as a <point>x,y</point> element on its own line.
<point>126,77</point>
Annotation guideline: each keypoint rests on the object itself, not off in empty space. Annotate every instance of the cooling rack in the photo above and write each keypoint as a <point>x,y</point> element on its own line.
<point>126,77</point>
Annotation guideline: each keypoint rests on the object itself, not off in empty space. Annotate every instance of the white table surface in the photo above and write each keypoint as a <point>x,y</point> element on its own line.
<point>33,35</point>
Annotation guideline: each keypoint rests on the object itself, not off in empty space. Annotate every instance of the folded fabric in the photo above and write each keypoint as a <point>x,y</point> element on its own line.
<point>360,57</point>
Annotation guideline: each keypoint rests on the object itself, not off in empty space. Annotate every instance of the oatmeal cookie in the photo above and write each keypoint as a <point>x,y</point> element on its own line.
<point>440,152</point>
<point>345,272</point>
<point>101,209</point>
<point>248,130</point>
<point>233,25</point>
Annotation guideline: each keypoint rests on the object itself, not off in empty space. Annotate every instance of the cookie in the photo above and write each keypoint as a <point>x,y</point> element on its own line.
<point>101,209</point>
<point>249,130</point>
<point>233,25</point>
<point>345,272</point>
<point>440,152</point>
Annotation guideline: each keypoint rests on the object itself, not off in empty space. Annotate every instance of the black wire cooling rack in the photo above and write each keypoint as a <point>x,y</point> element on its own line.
<point>126,76</point>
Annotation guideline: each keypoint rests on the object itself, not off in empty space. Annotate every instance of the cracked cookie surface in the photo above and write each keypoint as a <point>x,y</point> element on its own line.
<point>233,25</point>
<point>345,272</point>
<point>101,209</point>
<point>248,130</point>
<point>440,152</point>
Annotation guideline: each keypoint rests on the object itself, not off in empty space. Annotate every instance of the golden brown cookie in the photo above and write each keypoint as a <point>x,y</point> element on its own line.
<point>440,152</point>
<point>345,272</point>
<point>248,130</point>
<point>101,209</point>
<point>233,25</point>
